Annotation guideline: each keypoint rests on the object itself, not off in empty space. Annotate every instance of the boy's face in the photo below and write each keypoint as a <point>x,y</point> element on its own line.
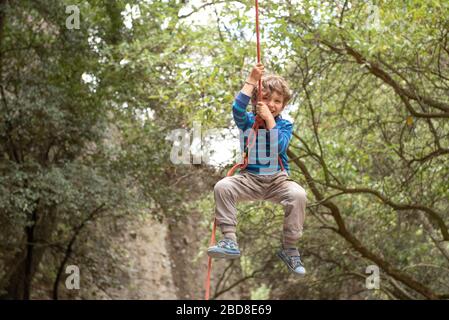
<point>274,101</point>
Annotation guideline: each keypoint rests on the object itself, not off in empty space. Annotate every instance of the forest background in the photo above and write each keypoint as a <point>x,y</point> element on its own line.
<point>95,94</point>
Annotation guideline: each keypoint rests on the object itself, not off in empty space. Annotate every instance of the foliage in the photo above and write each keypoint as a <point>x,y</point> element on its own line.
<point>85,115</point>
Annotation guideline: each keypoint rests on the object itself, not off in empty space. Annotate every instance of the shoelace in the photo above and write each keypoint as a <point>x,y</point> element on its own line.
<point>296,261</point>
<point>227,243</point>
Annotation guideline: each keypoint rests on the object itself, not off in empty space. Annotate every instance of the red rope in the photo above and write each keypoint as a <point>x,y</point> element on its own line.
<point>259,94</point>
<point>258,123</point>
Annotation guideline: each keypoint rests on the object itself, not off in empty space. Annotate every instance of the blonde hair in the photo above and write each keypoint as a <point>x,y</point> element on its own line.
<point>272,83</point>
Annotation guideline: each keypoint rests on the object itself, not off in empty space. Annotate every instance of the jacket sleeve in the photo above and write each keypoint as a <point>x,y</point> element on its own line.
<point>284,135</point>
<point>242,119</point>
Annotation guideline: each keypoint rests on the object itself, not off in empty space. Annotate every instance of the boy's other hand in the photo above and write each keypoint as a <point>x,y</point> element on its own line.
<point>263,111</point>
<point>256,73</point>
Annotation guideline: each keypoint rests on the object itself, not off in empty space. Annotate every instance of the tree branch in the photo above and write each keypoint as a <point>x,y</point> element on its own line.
<point>356,244</point>
<point>433,214</point>
<point>403,93</point>
<point>69,249</point>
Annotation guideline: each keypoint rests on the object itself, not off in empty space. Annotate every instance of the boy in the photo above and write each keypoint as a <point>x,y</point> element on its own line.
<point>262,179</point>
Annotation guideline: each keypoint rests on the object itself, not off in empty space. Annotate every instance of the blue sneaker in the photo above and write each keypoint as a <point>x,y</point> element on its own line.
<point>225,249</point>
<point>293,262</point>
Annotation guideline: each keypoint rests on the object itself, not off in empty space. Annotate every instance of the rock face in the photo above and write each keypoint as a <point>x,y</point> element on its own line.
<point>156,261</point>
<point>149,265</point>
<point>166,261</point>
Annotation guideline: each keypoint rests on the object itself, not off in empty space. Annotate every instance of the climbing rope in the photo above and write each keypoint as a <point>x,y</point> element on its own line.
<point>252,136</point>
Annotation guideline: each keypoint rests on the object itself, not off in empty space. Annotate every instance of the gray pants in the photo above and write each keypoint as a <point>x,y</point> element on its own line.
<point>278,188</point>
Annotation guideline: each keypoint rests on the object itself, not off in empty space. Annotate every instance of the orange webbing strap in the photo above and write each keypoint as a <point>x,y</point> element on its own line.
<point>280,162</point>
<point>252,136</point>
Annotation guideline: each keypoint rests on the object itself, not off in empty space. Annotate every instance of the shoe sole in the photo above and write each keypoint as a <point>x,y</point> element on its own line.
<point>222,255</point>
<point>290,268</point>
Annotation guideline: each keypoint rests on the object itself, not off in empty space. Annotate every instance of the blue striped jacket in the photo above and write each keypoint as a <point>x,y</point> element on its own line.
<point>263,156</point>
